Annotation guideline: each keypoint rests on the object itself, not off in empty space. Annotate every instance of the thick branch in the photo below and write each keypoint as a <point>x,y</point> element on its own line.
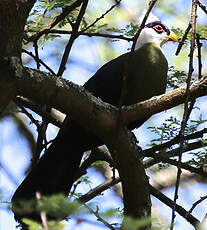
<point>136,198</point>
<point>102,119</point>
<point>164,102</point>
<point>69,98</point>
<point>13,16</point>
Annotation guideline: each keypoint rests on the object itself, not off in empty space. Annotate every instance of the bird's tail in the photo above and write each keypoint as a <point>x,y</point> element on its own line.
<point>56,170</point>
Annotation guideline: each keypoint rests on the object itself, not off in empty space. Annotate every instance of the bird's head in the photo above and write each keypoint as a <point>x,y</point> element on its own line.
<point>154,31</point>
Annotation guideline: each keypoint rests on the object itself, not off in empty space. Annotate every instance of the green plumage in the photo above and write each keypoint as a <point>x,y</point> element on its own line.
<point>147,75</point>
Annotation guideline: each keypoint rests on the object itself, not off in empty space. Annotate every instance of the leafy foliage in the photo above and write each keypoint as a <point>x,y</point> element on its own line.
<point>198,158</point>
<point>54,4</point>
<point>44,13</point>
<point>201,30</point>
<point>178,31</point>
<point>52,225</point>
<point>129,30</point>
<point>171,128</point>
<point>133,224</point>
<point>176,77</point>
<point>58,206</point>
<point>112,212</point>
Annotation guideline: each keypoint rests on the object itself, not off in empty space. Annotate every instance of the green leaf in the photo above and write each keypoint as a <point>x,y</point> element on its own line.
<point>52,225</point>
<point>130,223</point>
<point>58,206</point>
<point>176,77</point>
<point>32,224</point>
<point>111,213</point>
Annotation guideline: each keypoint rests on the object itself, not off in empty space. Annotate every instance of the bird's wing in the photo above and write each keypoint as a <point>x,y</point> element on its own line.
<point>107,81</point>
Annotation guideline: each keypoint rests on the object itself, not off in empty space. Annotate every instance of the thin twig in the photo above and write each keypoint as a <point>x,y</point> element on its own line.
<point>41,134</point>
<point>202,7</point>
<point>73,36</point>
<point>104,35</point>
<point>36,54</point>
<point>98,190</point>
<point>95,223</point>
<point>160,158</point>
<point>185,214</point>
<point>36,122</point>
<point>58,19</point>
<point>102,16</point>
<point>41,139</point>
<point>176,151</point>
<point>89,34</point>
<point>39,60</point>
<point>186,109</point>
<point>151,5</point>
<point>197,203</point>
<point>99,218</point>
<point>20,101</point>
<point>160,196</point>
<point>199,45</point>
<point>183,39</point>
<point>174,141</point>
<point>39,145</point>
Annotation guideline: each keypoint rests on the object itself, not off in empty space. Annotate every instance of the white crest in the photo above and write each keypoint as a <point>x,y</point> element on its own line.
<point>151,17</point>
<point>149,35</point>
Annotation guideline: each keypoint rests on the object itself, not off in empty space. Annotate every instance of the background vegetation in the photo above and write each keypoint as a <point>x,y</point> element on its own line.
<point>62,42</point>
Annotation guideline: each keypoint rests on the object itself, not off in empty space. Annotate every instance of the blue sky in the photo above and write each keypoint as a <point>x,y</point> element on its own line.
<point>15,152</point>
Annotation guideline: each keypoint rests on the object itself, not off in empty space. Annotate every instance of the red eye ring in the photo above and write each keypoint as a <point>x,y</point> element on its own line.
<point>158,28</point>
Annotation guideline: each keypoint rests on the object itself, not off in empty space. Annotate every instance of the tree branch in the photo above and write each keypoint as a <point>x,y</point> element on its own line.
<point>58,19</point>
<point>164,102</point>
<point>73,36</point>
<point>98,190</point>
<point>101,118</point>
<point>13,16</point>
<point>160,196</point>
<point>191,219</point>
<point>69,98</point>
<point>89,34</point>
<point>175,140</point>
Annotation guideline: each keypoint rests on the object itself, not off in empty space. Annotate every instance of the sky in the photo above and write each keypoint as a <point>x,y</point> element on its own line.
<point>14,155</point>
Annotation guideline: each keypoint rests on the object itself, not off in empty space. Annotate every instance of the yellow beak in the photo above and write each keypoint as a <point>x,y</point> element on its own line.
<point>173,37</point>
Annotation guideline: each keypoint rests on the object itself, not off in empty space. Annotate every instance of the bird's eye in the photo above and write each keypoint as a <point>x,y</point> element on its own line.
<point>158,28</point>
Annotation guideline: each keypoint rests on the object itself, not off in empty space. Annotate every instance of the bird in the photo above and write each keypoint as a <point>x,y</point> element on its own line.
<point>147,69</point>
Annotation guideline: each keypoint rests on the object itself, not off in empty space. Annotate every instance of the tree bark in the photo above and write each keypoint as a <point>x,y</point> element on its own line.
<point>13,16</point>
<point>104,121</point>
<point>72,99</point>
